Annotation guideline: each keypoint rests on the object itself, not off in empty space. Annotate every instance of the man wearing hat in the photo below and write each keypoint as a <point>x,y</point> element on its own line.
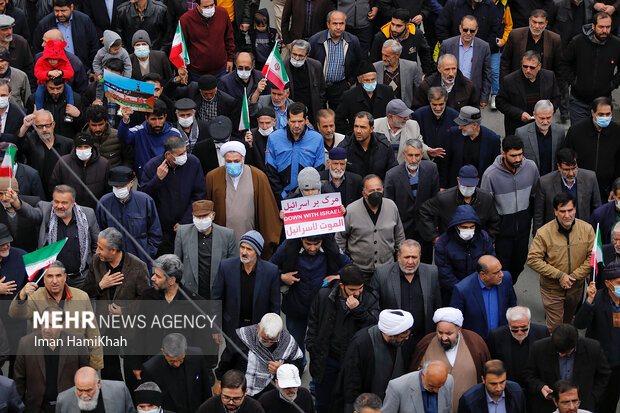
<point>145,60</point>
<point>210,101</point>
<point>463,351</point>
<point>336,178</point>
<point>374,356</point>
<point>257,137</point>
<point>601,310</point>
<point>18,80</point>
<point>136,212</point>
<point>288,393</point>
<point>218,131</point>
<point>148,398</point>
<point>278,101</point>
<point>174,180</point>
<point>469,143</point>
<point>436,213</point>
<point>243,198</point>
<point>192,130</point>
<point>366,96</point>
<point>19,50</point>
<point>201,246</point>
<point>83,166</point>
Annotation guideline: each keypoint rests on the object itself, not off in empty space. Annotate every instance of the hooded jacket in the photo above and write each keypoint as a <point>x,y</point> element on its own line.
<point>111,148</point>
<point>103,55</point>
<point>456,258</point>
<point>54,49</point>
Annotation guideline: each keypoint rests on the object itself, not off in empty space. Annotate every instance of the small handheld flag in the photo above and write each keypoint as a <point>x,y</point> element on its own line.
<point>178,53</point>
<point>244,120</point>
<point>42,258</point>
<point>274,69</point>
<point>8,162</point>
<point>597,253</point>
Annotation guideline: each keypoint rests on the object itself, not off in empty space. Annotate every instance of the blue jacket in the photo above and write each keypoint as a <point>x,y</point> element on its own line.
<point>14,270</point>
<point>233,85</point>
<point>311,269</point>
<point>9,397</point>
<point>467,296</point>
<point>433,130</point>
<point>175,194</point>
<point>138,215</point>
<point>145,142</point>
<point>455,258</point>
<point>605,215</point>
<point>227,288</point>
<point>284,158</point>
<point>474,400</point>
<point>455,144</point>
<point>352,57</point>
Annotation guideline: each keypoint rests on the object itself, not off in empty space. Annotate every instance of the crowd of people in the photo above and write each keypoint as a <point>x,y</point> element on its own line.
<point>412,307</point>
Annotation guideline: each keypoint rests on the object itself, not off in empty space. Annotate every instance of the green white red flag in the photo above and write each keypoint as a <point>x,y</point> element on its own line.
<point>178,53</point>
<point>274,69</point>
<point>42,258</point>
<point>244,119</point>
<point>8,162</point>
<point>597,254</point>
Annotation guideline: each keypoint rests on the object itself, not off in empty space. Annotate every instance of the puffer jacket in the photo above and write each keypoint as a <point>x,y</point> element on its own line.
<point>153,21</point>
<point>110,147</point>
<point>553,254</point>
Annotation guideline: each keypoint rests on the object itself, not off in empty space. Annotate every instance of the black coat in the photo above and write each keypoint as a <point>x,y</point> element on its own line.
<point>198,376</point>
<point>356,100</point>
<point>435,213</point>
<point>316,81</point>
<point>474,400</point>
<point>512,99</point>
<point>414,45</point>
<point>29,181</point>
<point>523,8</point>
<point>203,131</point>
<point>98,13</point>
<point>321,321</point>
<point>69,129</point>
<point>158,63</point>
<point>598,319</point>
<point>352,185</point>
<point>398,189</point>
<point>14,119</point>
<point>26,232</point>
<point>226,104</point>
<point>273,403</point>
<point>463,92</point>
<point>499,346</point>
<point>590,372</point>
<point>20,56</point>
<point>381,158</point>
<point>153,21</point>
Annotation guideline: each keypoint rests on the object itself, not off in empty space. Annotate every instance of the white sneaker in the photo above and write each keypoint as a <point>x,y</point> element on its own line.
<point>492,103</point>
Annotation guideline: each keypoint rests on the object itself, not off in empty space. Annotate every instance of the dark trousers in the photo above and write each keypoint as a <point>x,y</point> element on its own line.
<point>297,327</point>
<point>512,253</point>
<point>167,243</point>
<point>578,109</point>
<point>324,389</point>
<point>334,91</point>
<point>609,401</point>
<point>564,99</point>
<point>365,36</point>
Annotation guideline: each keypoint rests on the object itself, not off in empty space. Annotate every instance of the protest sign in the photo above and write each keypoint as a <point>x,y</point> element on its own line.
<point>313,215</point>
<point>129,92</point>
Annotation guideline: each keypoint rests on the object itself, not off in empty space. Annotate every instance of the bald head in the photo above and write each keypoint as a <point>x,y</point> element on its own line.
<point>86,377</point>
<point>434,375</point>
<point>52,34</point>
<point>490,270</point>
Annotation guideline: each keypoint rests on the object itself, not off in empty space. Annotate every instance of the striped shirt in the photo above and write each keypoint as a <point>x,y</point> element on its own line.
<point>335,60</point>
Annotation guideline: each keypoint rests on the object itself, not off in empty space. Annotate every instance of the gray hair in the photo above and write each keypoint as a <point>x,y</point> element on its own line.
<point>329,15</point>
<point>113,237</point>
<point>58,264</point>
<point>447,55</point>
<point>410,243</point>
<point>617,227</point>
<point>171,265</point>
<point>271,325</point>
<point>397,48</point>
<point>370,400</point>
<point>415,143</point>
<point>301,44</point>
<point>45,111</point>
<point>174,345</point>
<point>543,104</point>
<point>437,92</point>
<point>518,313</point>
<point>6,82</point>
<point>149,386</point>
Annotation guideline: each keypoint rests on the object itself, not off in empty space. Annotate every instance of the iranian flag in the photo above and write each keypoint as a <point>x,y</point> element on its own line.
<point>597,254</point>
<point>42,258</point>
<point>178,52</point>
<point>244,119</point>
<point>274,69</point>
<point>8,163</point>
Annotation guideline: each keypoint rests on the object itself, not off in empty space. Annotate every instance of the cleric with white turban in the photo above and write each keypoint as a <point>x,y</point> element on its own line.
<point>449,314</point>
<point>232,146</point>
<point>395,322</point>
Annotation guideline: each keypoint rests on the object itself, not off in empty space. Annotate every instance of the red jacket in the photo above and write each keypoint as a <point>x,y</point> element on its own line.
<point>54,49</point>
<point>210,42</point>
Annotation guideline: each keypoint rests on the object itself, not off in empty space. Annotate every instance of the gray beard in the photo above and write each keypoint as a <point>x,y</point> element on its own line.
<point>88,405</point>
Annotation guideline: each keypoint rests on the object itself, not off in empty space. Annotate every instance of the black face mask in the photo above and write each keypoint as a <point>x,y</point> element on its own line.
<point>375,198</point>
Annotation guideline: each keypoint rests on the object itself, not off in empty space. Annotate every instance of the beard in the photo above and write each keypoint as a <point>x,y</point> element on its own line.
<point>89,405</point>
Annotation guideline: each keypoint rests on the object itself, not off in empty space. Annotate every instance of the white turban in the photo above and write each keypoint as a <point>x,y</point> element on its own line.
<point>449,314</point>
<point>395,322</point>
<point>232,146</point>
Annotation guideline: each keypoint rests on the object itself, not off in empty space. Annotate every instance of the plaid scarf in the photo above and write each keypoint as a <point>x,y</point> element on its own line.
<point>208,109</point>
<point>82,227</point>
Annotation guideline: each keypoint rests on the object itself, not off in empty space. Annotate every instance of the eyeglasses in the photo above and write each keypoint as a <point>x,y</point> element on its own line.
<point>44,126</point>
<point>569,402</point>
<point>469,30</point>
<point>232,399</point>
<point>520,329</point>
<point>529,67</point>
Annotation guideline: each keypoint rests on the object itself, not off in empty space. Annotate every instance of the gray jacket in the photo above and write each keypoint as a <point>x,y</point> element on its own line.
<point>527,133</point>
<point>410,78</point>
<point>20,87</point>
<point>223,245</point>
<point>410,131</point>
<point>404,395</point>
<point>356,12</point>
<point>115,395</point>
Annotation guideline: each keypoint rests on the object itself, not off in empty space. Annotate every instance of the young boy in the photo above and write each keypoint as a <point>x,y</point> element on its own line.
<point>51,65</point>
<point>112,48</point>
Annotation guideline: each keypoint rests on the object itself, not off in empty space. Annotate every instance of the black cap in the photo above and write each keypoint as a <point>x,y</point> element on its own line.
<point>185,104</point>
<point>266,111</point>
<point>120,176</point>
<point>207,82</point>
<point>83,139</point>
<point>365,67</point>
<point>220,128</point>
<point>5,235</point>
<point>4,54</point>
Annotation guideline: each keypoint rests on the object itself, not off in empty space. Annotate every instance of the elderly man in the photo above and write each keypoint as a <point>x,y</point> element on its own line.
<point>192,130</point>
<point>210,101</point>
<point>373,229</point>
<point>56,293</point>
<point>246,77</point>
<point>451,344</point>
<point>336,178</point>
<point>289,397</point>
<point>243,198</point>
<point>435,117</point>
<point>513,342</point>
<point>89,391</point>
<point>202,245</point>
<point>431,389</point>
<point>60,219</point>
<point>232,397</point>
<point>560,253</point>
<point>375,356</point>
<point>257,137</point>
<point>402,75</point>
<point>484,296</point>
<point>278,101</point>
<point>326,126</point>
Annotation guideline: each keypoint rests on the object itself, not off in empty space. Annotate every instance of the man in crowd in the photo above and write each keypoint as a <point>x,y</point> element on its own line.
<point>22,230</point>
<point>257,137</point>
<point>191,129</point>
<point>402,75</point>
<point>18,80</point>
<point>565,396</point>
<point>326,126</point>
<point>336,178</point>
<point>233,396</point>
<point>513,342</point>
<point>289,396</point>
<point>560,253</point>
<point>105,137</point>
<point>148,15</point>
<point>278,101</point>
<point>67,115</point>
<point>484,11</point>
<point>148,397</point>
<point>434,119</point>
<point>246,77</point>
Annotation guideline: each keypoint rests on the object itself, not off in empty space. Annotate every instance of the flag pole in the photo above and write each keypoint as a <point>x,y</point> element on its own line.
<point>42,275</point>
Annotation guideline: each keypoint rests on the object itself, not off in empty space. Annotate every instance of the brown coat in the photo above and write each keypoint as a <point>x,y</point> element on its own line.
<point>135,281</point>
<point>515,49</point>
<point>477,347</point>
<point>267,219</point>
<point>294,14</point>
<point>30,368</point>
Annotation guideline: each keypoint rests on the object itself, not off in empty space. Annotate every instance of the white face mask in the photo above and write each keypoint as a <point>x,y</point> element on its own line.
<point>83,154</point>
<point>467,191</point>
<point>208,13</point>
<point>297,63</point>
<point>4,101</point>
<point>466,234</point>
<point>203,224</point>
<point>186,122</point>
<point>244,74</point>
<point>141,51</point>
<point>156,410</point>
<point>180,160</point>
<point>121,192</point>
<point>265,132</point>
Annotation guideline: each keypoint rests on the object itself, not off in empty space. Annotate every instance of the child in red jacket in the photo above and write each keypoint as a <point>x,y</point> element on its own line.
<point>53,64</point>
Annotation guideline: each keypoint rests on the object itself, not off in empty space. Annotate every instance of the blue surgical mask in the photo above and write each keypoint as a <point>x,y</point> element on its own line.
<point>603,121</point>
<point>617,290</point>
<point>233,169</point>
<point>370,87</point>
